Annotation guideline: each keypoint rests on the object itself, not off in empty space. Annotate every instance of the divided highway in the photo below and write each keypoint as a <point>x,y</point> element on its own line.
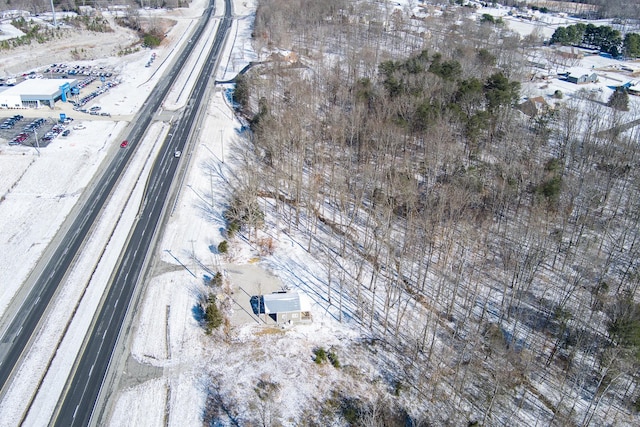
<point>17,336</point>
<point>83,390</point>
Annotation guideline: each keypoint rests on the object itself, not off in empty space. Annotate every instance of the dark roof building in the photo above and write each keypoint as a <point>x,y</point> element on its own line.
<point>534,106</point>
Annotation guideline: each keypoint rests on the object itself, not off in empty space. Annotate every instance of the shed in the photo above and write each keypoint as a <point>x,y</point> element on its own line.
<point>285,307</point>
<point>584,78</point>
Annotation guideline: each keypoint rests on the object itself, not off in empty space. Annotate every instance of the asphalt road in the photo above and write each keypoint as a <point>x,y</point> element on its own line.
<point>83,390</point>
<point>20,330</point>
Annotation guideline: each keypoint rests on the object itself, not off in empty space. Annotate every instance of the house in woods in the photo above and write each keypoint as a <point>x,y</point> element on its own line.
<point>284,56</point>
<point>286,307</point>
<point>534,106</point>
<point>582,79</point>
<point>569,52</point>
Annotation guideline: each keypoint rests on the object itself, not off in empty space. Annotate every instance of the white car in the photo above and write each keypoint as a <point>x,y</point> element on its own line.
<point>177,154</point>
<point>79,126</point>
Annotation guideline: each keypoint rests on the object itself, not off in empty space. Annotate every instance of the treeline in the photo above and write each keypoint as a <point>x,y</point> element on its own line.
<point>603,38</point>
<point>622,9</point>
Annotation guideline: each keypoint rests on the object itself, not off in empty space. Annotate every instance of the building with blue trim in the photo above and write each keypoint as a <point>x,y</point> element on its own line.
<point>35,93</point>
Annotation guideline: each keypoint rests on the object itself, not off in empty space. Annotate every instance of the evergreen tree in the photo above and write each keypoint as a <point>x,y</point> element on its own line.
<point>619,99</point>
<point>632,45</point>
<point>499,91</point>
<point>212,316</point>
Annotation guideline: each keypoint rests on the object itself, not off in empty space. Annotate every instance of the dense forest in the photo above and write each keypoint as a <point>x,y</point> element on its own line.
<point>494,256</point>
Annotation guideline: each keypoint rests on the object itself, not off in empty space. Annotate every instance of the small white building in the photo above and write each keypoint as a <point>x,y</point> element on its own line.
<point>33,93</point>
<point>286,307</point>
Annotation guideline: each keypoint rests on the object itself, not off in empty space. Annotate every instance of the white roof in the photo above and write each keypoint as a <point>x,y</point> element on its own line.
<point>580,71</point>
<point>281,302</point>
<point>285,302</point>
<point>36,87</point>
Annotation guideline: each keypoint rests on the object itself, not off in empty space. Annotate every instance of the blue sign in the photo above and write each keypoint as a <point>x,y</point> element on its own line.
<point>64,89</point>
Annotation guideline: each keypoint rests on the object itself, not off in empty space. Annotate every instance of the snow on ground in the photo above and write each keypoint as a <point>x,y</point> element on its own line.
<point>528,22</point>
<point>168,334</point>
<point>36,194</point>
<point>195,368</point>
<point>40,196</point>
<point>611,73</point>
<point>8,31</point>
<point>149,400</point>
<point>35,199</point>
<point>187,380</point>
<point>86,297</point>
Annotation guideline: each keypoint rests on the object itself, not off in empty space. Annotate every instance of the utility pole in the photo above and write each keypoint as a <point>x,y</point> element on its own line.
<point>211,186</point>
<point>222,143</point>
<point>35,132</point>
<point>53,10</point>
<point>193,257</point>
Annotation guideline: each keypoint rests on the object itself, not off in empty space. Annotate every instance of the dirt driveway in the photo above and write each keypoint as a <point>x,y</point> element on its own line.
<point>249,280</point>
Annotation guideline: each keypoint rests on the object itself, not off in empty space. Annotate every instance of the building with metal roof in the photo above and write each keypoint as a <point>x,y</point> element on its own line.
<point>286,307</point>
<point>34,93</point>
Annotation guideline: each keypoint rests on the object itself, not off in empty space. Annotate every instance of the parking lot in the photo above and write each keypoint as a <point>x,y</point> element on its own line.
<point>38,128</point>
<point>93,81</point>
<point>32,132</point>
<point>84,73</point>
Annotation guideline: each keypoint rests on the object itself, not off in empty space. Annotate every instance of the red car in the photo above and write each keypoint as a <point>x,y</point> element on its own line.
<point>124,144</point>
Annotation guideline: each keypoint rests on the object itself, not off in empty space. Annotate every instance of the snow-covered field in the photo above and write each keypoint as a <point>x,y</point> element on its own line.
<point>182,366</point>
